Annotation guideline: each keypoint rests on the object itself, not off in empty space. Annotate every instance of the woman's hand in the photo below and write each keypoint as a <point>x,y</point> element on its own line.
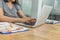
<point>29,20</point>
<point>26,20</point>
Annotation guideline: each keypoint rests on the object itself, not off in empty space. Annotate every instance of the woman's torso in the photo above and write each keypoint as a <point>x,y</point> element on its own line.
<point>9,12</point>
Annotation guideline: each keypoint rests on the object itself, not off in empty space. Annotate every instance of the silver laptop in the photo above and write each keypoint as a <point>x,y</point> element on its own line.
<point>41,16</point>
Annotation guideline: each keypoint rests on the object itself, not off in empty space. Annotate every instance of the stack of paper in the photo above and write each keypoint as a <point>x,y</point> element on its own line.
<point>6,28</point>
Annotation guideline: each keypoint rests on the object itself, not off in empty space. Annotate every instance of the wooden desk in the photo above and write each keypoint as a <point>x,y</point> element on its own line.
<point>44,32</point>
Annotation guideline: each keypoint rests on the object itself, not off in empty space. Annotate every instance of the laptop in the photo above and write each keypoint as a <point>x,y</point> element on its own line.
<point>41,16</point>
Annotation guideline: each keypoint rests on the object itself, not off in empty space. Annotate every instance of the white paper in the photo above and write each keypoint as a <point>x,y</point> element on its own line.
<point>4,25</point>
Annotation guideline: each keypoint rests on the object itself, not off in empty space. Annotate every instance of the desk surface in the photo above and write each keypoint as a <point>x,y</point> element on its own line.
<point>44,32</point>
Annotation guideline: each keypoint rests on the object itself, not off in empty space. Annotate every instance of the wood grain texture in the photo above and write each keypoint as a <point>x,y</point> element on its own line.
<point>44,32</point>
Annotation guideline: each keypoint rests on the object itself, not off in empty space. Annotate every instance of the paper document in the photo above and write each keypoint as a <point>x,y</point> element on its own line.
<point>6,28</point>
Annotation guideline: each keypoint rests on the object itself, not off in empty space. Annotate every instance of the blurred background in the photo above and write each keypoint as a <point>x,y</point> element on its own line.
<point>29,8</point>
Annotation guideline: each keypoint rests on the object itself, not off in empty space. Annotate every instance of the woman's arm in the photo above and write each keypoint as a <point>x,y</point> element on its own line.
<point>31,20</point>
<point>9,19</point>
<point>20,13</point>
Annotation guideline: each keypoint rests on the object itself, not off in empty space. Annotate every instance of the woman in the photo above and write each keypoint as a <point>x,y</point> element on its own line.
<point>11,12</point>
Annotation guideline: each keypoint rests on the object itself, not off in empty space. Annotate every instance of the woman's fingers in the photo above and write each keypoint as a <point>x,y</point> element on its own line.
<point>29,21</point>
